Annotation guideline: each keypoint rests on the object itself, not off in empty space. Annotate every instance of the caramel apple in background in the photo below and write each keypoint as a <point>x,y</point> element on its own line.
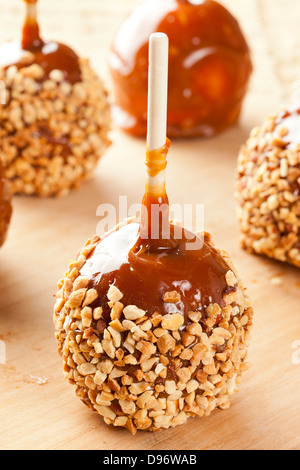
<point>5,207</point>
<point>209,67</point>
<point>55,124</point>
<point>268,188</point>
<point>152,321</point>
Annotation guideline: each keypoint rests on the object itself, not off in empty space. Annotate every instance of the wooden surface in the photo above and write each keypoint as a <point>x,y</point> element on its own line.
<point>46,233</point>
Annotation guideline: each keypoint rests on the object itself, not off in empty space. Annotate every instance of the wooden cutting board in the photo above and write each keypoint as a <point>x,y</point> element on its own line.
<point>38,409</point>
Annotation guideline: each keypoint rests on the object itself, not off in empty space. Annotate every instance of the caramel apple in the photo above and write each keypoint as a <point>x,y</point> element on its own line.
<point>268,188</point>
<point>209,67</point>
<point>152,321</point>
<point>55,123</point>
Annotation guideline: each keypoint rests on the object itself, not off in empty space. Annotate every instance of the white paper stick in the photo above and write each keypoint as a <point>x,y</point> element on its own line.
<point>157,90</point>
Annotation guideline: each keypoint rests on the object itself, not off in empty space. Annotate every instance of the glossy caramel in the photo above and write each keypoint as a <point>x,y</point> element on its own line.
<point>5,207</point>
<point>145,276</point>
<point>209,67</point>
<point>155,203</point>
<point>49,55</point>
<point>144,269</point>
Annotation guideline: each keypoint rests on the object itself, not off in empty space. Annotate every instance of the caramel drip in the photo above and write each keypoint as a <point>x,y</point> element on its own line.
<point>155,225</point>
<point>31,39</point>
<point>156,160</point>
<point>146,268</point>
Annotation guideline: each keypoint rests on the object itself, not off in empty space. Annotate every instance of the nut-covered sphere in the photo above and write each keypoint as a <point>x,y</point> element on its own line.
<point>54,127</point>
<point>5,207</point>
<point>268,188</point>
<point>209,67</point>
<point>147,346</point>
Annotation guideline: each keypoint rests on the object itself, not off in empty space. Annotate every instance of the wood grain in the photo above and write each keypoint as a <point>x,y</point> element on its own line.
<point>46,233</point>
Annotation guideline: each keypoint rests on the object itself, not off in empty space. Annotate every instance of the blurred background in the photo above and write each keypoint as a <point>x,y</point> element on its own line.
<point>89,26</point>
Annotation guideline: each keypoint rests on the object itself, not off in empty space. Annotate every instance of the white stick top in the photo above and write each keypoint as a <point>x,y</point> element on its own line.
<point>158,90</point>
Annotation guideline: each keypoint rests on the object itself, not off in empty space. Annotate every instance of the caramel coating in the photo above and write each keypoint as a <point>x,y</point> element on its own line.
<point>5,207</point>
<point>148,365</point>
<point>209,67</point>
